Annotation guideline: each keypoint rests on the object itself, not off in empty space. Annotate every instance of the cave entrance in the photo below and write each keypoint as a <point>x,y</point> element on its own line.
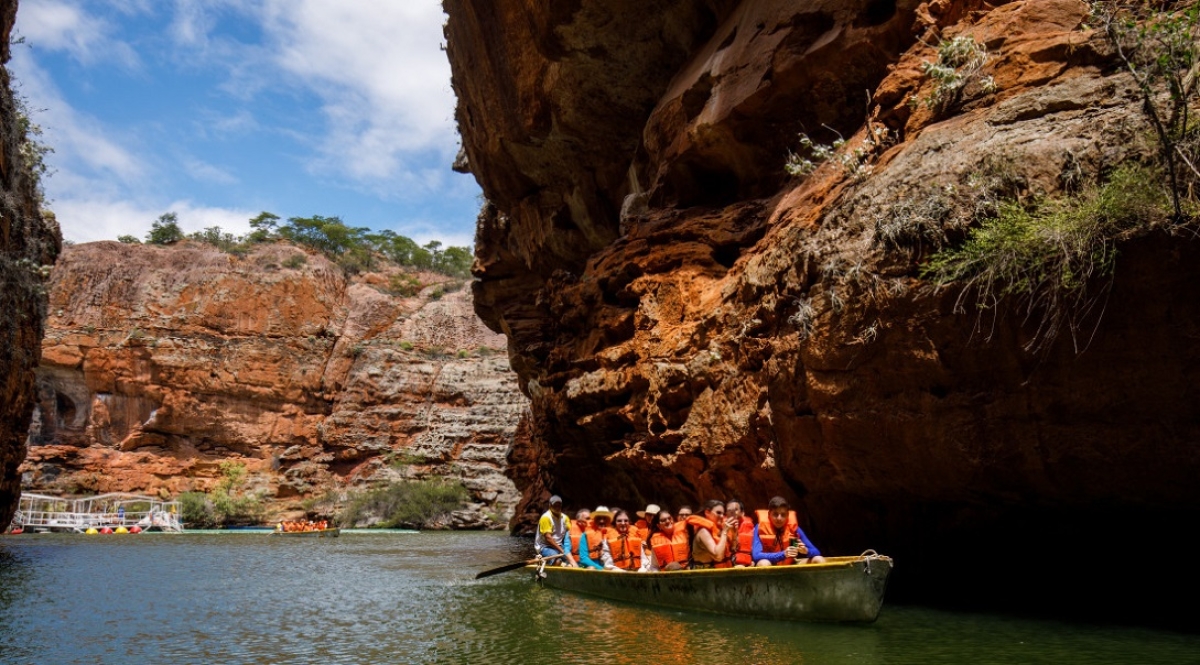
<point>64,409</point>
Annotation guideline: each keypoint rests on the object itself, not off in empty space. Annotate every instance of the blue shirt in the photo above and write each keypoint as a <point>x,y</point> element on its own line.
<point>757,553</point>
<point>584,559</point>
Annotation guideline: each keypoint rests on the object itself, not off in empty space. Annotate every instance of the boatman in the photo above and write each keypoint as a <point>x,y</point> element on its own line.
<point>552,533</point>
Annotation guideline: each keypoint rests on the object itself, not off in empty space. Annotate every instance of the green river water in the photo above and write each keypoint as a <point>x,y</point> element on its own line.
<point>412,598</point>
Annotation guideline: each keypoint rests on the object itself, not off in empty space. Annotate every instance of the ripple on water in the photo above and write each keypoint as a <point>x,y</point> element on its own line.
<point>412,598</point>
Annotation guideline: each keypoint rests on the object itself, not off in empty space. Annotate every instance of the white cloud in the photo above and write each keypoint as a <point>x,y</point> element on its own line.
<point>65,26</point>
<point>205,172</point>
<point>79,141</point>
<point>87,220</point>
<point>382,76</point>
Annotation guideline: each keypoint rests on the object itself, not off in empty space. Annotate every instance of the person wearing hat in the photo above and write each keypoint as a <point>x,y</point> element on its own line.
<point>552,533</point>
<point>591,543</point>
<point>643,523</point>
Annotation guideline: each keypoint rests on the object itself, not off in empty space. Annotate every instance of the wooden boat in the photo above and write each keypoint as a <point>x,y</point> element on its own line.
<point>333,532</point>
<point>841,589</point>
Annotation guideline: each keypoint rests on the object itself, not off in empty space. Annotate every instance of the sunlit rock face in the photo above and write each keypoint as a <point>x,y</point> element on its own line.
<point>161,362</point>
<point>691,322</point>
<point>29,241</point>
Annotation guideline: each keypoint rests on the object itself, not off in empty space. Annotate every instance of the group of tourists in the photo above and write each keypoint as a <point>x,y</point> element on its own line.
<point>301,526</point>
<point>721,536</point>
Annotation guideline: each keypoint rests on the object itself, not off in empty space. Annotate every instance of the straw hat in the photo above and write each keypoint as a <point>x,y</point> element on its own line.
<point>650,511</point>
<point>601,511</point>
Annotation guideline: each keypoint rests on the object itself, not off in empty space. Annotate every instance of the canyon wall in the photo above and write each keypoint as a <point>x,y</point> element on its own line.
<point>690,321</point>
<point>159,363</point>
<point>29,242</point>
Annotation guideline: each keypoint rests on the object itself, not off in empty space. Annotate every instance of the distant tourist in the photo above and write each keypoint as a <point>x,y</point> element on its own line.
<point>643,524</point>
<point>741,543</point>
<point>778,538</point>
<point>582,520</point>
<point>623,547</point>
<point>668,548</point>
<point>552,532</point>
<point>711,537</point>
<point>591,544</point>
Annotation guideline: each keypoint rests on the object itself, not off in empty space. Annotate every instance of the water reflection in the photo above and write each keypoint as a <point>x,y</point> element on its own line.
<point>403,598</point>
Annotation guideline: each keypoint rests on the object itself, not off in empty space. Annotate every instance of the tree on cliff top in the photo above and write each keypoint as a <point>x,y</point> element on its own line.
<point>165,230</point>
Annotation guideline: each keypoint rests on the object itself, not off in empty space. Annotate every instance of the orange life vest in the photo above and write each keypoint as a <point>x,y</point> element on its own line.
<point>674,549</point>
<point>766,533</point>
<point>626,551</point>
<point>575,532</point>
<point>642,529</point>
<point>744,544</point>
<point>698,522</point>
<point>595,541</point>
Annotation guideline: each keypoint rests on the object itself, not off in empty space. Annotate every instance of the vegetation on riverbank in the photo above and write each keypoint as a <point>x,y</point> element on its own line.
<point>230,503</point>
<point>405,504</point>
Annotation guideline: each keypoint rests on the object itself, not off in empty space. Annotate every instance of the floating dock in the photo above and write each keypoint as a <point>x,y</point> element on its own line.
<point>39,512</point>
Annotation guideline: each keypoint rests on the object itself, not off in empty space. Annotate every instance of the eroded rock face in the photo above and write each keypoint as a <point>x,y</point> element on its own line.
<point>161,362</point>
<point>29,240</point>
<point>689,322</point>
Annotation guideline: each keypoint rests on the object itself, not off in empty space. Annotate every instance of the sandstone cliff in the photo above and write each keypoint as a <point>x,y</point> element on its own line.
<point>161,362</point>
<point>691,322</point>
<point>28,241</point>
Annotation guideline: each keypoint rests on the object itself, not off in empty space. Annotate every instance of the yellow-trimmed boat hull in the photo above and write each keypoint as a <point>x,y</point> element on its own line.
<point>841,589</point>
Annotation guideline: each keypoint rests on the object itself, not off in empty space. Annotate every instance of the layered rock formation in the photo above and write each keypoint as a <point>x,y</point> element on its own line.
<point>691,322</point>
<point>29,242</point>
<point>159,363</point>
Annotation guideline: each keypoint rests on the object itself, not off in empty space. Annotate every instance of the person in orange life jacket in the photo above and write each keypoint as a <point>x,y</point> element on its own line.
<point>741,540</point>
<point>551,533</point>
<point>684,513</point>
<point>778,538</point>
<point>582,519</point>
<point>591,543</point>
<point>622,549</point>
<point>710,539</point>
<point>668,548</point>
<point>643,524</point>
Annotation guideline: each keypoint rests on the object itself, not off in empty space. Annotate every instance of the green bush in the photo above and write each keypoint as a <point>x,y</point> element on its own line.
<point>404,285</point>
<point>295,261</point>
<point>229,503</point>
<point>410,504</point>
<point>1049,253</point>
<point>197,510</point>
<point>960,61</point>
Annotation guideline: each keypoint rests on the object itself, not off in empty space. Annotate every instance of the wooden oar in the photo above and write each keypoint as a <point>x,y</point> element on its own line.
<point>514,566</point>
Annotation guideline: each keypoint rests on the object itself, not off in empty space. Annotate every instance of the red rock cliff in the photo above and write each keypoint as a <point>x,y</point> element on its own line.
<point>29,241</point>
<point>691,322</point>
<point>161,362</point>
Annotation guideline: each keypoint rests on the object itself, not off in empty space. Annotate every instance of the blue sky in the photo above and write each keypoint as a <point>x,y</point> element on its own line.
<point>220,109</point>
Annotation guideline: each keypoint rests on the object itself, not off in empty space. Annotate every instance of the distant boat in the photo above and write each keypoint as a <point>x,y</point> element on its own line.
<point>841,589</point>
<point>315,533</point>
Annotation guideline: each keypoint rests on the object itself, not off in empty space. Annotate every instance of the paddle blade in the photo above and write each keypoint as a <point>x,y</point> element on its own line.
<point>502,569</point>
